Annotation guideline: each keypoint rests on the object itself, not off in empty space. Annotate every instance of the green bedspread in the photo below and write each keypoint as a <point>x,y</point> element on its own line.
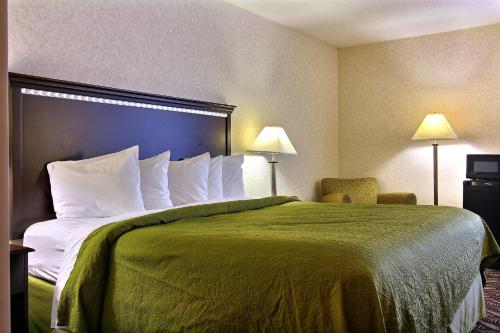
<point>275,264</point>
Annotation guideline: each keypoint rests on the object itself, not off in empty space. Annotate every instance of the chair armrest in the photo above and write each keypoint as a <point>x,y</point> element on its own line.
<point>397,198</point>
<point>336,198</point>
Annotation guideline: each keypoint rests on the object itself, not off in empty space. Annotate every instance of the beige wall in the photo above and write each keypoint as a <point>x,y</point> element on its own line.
<point>4,174</point>
<point>385,90</point>
<point>205,50</point>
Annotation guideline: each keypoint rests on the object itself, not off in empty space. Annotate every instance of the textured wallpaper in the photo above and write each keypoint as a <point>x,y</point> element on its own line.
<point>386,89</point>
<point>203,49</point>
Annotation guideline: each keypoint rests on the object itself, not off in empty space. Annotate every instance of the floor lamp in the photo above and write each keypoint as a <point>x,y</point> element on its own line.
<point>435,127</point>
<point>273,140</point>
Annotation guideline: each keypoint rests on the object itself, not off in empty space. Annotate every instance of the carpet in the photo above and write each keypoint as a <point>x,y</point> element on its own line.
<point>491,322</point>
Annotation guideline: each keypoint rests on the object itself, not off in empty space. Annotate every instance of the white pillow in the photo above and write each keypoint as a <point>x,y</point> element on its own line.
<point>215,178</point>
<point>97,187</point>
<point>188,179</point>
<point>154,181</point>
<point>232,177</point>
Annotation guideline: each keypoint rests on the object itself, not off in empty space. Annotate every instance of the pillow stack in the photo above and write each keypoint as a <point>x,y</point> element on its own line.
<point>119,183</point>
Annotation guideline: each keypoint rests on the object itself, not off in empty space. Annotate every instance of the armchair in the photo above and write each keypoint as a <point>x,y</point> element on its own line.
<point>361,190</point>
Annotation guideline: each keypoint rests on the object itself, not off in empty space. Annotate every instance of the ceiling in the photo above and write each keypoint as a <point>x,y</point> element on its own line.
<point>352,22</point>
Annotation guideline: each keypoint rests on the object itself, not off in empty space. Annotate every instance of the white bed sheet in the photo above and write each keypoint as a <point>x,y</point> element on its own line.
<point>50,240</point>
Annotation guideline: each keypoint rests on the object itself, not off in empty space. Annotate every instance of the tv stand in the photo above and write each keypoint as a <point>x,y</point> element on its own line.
<point>482,197</point>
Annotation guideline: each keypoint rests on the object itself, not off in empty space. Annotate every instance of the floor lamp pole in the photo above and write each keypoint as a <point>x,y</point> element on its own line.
<point>273,163</point>
<point>435,159</point>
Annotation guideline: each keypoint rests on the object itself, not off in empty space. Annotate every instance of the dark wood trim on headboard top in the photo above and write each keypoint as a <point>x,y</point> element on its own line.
<point>46,128</point>
<point>36,82</point>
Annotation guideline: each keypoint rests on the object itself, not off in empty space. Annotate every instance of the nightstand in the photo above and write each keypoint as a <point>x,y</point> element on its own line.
<point>19,288</point>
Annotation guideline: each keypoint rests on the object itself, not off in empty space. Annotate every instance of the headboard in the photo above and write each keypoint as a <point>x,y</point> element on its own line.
<point>53,120</point>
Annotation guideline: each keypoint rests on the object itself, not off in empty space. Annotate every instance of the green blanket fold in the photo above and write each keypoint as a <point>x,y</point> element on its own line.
<point>274,264</point>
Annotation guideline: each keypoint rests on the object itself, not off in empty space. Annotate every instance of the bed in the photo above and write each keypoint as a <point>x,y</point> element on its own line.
<point>269,264</point>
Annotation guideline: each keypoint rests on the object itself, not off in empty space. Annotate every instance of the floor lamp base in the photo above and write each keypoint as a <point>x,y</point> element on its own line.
<point>435,160</point>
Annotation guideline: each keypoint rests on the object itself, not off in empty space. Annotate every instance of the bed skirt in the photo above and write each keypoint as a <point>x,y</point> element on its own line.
<point>471,309</point>
<point>39,304</point>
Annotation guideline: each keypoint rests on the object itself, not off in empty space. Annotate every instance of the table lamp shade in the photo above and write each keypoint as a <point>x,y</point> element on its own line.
<point>434,127</point>
<point>273,140</point>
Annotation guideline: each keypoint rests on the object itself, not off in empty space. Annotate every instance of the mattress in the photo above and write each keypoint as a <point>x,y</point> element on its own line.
<point>49,239</point>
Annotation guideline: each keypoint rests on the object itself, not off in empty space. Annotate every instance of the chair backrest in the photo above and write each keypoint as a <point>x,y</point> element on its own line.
<point>361,190</point>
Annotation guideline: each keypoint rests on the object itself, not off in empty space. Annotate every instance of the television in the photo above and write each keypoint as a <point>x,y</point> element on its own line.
<point>483,166</point>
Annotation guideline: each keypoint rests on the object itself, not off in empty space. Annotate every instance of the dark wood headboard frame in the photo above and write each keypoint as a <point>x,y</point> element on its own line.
<point>53,120</point>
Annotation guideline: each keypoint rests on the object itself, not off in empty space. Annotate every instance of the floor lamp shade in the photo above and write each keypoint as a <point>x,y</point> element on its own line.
<point>435,127</point>
<point>273,140</point>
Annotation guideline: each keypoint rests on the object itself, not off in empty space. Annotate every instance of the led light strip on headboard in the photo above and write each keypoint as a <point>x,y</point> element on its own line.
<point>118,102</point>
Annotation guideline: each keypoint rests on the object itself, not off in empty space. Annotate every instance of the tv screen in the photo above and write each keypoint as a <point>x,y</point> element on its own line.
<point>485,166</point>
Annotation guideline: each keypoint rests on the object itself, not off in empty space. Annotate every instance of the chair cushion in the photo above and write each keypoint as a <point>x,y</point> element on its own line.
<point>360,190</point>
<point>335,198</point>
<point>397,198</point>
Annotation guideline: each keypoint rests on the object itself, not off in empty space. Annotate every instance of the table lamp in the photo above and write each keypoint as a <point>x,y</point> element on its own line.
<point>273,140</point>
<point>435,127</point>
